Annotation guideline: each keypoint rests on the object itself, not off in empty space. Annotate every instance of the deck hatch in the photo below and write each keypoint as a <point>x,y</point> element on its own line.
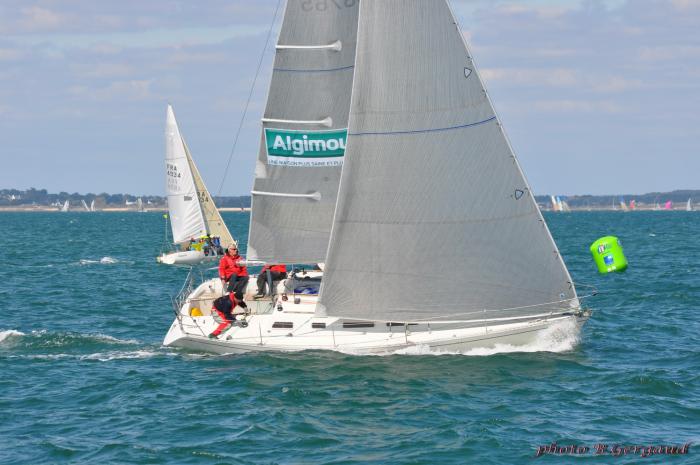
<point>283,324</point>
<point>358,324</point>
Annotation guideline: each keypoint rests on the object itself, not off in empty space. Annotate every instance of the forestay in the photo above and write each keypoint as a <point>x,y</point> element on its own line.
<point>185,215</point>
<point>303,137</point>
<point>434,216</point>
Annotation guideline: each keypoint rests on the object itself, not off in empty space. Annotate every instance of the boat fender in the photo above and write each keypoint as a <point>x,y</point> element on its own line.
<point>195,311</point>
<point>608,255</point>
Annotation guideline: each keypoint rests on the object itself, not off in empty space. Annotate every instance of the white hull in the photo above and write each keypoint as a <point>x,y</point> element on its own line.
<point>295,327</point>
<point>189,257</point>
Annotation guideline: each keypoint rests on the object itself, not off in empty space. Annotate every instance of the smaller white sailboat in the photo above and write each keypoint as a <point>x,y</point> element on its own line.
<point>199,232</point>
<point>85,206</point>
<point>689,206</point>
<point>556,206</point>
<point>139,205</point>
<point>92,205</point>
<point>66,206</point>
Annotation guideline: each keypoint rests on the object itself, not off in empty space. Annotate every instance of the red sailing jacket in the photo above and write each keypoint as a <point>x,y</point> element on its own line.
<point>280,268</point>
<point>228,266</point>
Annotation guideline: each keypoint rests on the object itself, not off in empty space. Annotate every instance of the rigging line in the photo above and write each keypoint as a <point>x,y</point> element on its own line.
<point>250,96</point>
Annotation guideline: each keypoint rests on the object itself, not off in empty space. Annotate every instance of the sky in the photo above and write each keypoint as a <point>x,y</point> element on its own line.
<point>596,96</point>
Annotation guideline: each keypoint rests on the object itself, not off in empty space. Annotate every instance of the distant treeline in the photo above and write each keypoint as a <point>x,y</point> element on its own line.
<point>583,201</point>
<point>32,196</point>
<point>15,197</point>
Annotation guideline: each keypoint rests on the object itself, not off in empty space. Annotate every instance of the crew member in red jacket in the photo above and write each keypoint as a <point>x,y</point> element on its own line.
<point>222,311</point>
<point>277,272</point>
<point>233,273</point>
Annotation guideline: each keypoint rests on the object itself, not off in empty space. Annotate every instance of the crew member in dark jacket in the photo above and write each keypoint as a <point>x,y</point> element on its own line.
<point>223,309</point>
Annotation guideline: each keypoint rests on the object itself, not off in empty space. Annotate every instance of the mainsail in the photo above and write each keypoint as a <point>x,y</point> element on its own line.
<point>303,137</point>
<point>186,216</point>
<point>434,217</point>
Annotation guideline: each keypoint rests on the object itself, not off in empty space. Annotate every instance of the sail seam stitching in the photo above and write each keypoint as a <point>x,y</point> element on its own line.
<point>419,131</point>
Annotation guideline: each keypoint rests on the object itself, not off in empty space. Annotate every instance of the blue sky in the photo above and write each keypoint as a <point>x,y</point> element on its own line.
<point>596,96</point>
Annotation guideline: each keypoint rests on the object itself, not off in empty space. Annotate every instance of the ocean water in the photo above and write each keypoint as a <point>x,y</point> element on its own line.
<point>84,378</point>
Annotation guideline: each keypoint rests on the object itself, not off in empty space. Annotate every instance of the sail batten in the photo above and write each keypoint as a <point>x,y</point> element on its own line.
<point>432,217</point>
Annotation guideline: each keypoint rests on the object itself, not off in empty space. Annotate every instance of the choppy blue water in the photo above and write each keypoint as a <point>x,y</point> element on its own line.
<point>84,379</point>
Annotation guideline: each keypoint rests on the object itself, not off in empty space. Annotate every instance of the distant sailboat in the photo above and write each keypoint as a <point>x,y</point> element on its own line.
<point>92,205</point>
<point>555,204</point>
<point>85,206</point>
<point>668,205</point>
<point>633,204</point>
<point>139,205</point>
<point>689,206</point>
<point>623,205</point>
<point>66,206</point>
<point>192,212</point>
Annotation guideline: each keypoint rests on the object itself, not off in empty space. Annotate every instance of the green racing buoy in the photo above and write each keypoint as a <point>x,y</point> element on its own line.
<point>608,256</point>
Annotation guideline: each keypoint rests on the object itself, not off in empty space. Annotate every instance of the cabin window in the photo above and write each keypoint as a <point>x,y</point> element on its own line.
<point>283,324</point>
<point>358,324</point>
<point>318,325</point>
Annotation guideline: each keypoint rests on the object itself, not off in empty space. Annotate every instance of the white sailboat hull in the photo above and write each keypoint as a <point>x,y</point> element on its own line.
<point>288,326</point>
<point>257,337</point>
<point>189,257</point>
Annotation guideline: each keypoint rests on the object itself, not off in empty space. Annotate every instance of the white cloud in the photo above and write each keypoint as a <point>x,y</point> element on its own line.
<point>8,54</point>
<point>38,19</point>
<point>134,90</point>
<point>666,53</point>
<point>553,77</point>
<point>103,70</point>
<point>578,106</point>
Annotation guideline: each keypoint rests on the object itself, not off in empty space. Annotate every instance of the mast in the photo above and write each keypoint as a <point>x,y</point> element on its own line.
<point>434,217</point>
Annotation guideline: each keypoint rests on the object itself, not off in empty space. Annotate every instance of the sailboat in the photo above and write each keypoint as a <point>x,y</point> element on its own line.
<point>556,206</point>
<point>192,213</point>
<point>85,205</point>
<point>623,205</point>
<point>382,157</point>
<point>66,206</point>
<point>668,205</point>
<point>92,205</point>
<point>689,206</point>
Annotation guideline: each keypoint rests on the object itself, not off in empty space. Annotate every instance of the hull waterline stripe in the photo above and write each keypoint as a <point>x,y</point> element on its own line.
<point>420,131</point>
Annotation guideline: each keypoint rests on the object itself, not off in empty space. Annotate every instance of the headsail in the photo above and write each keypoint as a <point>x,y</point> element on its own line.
<point>214,223</point>
<point>186,216</point>
<point>303,138</point>
<point>434,218</point>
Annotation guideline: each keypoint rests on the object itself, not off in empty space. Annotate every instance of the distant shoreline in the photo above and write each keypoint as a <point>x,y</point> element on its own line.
<point>43,209</point>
